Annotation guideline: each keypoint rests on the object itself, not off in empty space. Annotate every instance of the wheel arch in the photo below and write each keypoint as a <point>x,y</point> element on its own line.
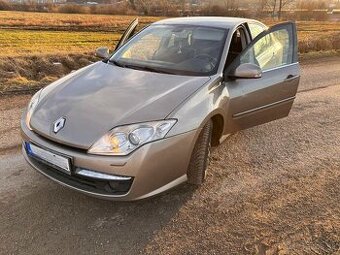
<point>218,122</point>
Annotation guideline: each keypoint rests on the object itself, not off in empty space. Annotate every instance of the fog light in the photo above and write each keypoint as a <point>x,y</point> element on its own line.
<point>121,186</point>
<point>114,185</point>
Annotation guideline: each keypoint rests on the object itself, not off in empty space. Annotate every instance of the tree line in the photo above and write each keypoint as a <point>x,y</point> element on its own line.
<point>245,8</point>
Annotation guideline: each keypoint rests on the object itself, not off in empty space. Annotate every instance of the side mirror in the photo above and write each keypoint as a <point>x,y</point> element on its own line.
<point>102,52</point>
<point>246,71</point>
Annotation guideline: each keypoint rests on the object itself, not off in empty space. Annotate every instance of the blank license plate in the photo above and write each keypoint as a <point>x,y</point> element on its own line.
<point>49,157</point>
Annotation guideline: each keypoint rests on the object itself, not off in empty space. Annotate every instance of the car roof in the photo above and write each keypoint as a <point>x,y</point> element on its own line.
<point>219,22</point>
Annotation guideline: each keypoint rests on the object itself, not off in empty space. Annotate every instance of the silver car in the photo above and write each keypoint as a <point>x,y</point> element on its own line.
<point>143,119</point>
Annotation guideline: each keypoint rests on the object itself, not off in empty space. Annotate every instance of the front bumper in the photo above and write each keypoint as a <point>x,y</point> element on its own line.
<point>153,168</point>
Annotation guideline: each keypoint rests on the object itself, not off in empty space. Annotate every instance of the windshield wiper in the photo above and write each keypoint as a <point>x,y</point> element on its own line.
<point>137,67</point>
<point>116,63</point>
<point>147,68</point>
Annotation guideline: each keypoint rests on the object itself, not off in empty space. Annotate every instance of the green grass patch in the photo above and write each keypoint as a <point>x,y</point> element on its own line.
<point>25,42</point>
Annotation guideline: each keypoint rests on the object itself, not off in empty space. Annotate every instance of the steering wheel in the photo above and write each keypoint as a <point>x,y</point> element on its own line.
<point>212,61</point>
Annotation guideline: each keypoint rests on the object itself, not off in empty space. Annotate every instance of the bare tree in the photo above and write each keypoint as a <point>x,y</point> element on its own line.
<point>143,5</point>
<point>262,4</point>
<point>272,4</point>
<point>232,5</point>
<point>283,3</point>
<point>268,5</point>
<point>133,4</point>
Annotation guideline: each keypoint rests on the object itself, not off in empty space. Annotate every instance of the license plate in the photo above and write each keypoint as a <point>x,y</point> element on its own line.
<point>49,157</point>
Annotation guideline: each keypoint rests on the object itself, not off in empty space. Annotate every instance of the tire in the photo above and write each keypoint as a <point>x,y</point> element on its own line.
<point>200,156</point>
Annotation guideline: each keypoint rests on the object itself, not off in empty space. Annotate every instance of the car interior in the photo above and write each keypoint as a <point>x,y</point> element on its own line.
<point>200,48</point>
<point>237,45</point>
<point>187,49</point>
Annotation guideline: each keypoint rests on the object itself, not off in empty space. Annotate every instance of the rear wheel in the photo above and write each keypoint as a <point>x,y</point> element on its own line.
<point>200,156</point>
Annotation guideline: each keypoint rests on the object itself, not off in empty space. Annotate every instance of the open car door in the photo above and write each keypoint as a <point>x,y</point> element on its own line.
<point>267,94</point>
<point>127,34</point>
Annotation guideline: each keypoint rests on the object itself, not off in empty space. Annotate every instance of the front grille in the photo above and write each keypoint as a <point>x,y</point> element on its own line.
<point>103,187</point>
<point>49,140</point>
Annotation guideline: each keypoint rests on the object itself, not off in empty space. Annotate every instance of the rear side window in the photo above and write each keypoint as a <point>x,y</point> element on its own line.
<point>255,29</point>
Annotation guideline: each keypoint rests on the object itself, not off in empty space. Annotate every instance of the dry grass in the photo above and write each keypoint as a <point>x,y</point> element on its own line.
<point>34,71</point>
<point>318,41</point>
<point>72,22</point>
<point>318,36</point>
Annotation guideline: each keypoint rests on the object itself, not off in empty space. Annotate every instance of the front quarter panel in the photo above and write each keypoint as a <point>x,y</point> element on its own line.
<point>209,100</point>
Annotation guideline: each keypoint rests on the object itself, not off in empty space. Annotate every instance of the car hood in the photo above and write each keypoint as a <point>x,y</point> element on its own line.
<point>101,96</point>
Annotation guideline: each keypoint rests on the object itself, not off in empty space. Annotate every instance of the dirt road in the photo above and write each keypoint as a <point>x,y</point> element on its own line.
<point>272,189</point>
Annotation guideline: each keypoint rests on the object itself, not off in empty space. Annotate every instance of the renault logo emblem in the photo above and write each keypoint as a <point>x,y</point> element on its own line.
<point>59,124</point>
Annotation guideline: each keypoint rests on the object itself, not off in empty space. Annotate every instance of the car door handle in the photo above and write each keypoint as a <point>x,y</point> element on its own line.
<point>290,77</point>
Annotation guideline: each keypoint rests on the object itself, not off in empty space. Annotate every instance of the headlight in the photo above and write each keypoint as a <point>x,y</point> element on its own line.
<point>125,139</point>
<point>31,107</point>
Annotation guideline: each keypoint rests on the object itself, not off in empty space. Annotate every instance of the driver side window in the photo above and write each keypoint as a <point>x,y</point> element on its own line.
<point>271,51</point>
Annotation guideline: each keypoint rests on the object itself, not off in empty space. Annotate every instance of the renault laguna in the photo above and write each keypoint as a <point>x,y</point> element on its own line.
<point>144,118</point>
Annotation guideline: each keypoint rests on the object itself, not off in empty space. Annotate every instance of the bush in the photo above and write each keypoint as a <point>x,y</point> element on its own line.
<point>216,10</point>
<point>4,6</point>
<point>74,8</point>
<point>112,10</point>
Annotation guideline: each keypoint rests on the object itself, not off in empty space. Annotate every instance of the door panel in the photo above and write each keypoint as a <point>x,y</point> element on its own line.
<point>257,101</point>
<point>127,34</point>
<point>254,102</point>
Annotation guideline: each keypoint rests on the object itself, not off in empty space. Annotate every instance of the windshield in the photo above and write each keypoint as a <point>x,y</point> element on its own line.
<point>174,49</point>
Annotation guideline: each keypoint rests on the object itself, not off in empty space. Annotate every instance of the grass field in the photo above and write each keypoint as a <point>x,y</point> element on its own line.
<point>37,40</point>
<point>18,42</point>
<point>72,22</point>
<point>25,33</point>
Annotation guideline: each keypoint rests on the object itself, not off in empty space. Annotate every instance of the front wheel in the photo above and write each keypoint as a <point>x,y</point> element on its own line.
<point>200,156</point>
